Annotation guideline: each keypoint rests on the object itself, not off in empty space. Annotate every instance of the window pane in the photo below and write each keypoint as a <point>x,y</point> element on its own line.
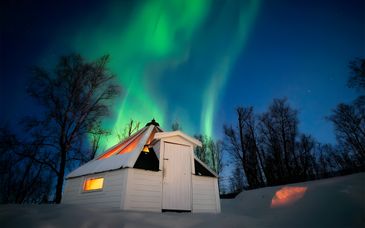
<point>93,184</point>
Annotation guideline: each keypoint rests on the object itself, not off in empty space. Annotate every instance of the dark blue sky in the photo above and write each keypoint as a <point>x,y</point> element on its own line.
<point>300,50</point>
<point>294,49</point>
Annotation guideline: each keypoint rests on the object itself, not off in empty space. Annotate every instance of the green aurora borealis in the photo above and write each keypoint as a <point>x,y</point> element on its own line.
<point>171,57</point>
<point>190,61</point>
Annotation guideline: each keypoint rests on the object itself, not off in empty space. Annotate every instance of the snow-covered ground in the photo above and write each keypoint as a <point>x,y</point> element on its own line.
<point>335,202</point>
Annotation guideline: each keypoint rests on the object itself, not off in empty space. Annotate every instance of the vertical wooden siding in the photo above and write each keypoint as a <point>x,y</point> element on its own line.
<point>144,190</point>
<point>205,194</point>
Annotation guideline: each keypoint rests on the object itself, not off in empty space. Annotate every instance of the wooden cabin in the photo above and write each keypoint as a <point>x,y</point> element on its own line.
<point>150,171</point>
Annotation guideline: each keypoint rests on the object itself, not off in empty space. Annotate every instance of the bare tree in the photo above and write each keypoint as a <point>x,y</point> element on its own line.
<point>350,128</point>
<point>95,135</point>
<point>131,127</point>
<point>305,148</point>
<point>236,179</point>
<point>201,152</point>
<point>349,119</point>
<point>327,166</point>
<point>278,132</point>
<point>357,74</point>
<point>210,152</point>
<point>22,180</point>
<point>241,144</point>
<point>73,99</point>
<point>176,126</point>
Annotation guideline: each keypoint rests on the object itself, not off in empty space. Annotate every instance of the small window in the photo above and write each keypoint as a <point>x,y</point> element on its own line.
<point>93,184</point>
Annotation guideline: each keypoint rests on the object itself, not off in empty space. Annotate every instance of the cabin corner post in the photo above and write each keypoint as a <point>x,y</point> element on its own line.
<point>128,179</point>
<point>218,201</point>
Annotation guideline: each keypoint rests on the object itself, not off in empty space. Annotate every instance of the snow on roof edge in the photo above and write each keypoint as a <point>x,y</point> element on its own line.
<point>160,135</point>
<point>113,162</point>
<point>205,166</point>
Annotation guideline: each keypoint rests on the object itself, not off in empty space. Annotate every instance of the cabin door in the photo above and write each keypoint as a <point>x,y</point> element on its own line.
<point>177,177</point>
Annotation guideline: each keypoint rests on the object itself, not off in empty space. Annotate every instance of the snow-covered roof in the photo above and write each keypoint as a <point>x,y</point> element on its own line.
<point>125,153</point>
<point>205,166</point>
<point>118,156</point>
<point>97,166</point>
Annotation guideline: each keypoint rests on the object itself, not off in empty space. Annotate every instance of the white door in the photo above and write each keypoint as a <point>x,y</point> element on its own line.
<point>176,177</point>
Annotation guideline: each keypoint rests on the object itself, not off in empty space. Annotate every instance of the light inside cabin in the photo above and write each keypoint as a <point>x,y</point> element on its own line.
<point>145,149</point>
<point>131,146</point>
<point>93,184</point>
<point>127,146</point>
<point>287,195</point>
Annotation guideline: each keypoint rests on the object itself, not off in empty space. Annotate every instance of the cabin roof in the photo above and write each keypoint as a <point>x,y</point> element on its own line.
<point>126,153</point>
<point>120,155</point>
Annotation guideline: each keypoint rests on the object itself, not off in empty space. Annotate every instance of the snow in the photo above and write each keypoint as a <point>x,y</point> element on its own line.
<point>116,161</point>
<point>335,202</point>
<point>96,166</point>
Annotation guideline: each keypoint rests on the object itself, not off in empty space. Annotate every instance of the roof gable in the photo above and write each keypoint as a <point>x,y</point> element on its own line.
<point>122,155</point>
<point>192,140</point>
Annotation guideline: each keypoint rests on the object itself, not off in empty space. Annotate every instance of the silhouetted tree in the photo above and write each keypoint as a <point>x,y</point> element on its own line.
<point>210,152</point>
<point>278,131</point>
<point>305,149</point>
<point>357,74</point>
<point>236,179</point>
<point>327,165</point>
<point>22,180</point>
<point>349,119</point>
<point>73,98</point>
<point>131,127</point>
<point>241,144</point>
<point>96,133</point>
<point>350,128</point>
<point>176,126</point>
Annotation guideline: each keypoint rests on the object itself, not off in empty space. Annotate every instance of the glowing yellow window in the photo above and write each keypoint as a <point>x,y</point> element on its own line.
<point>93,184</point>
<point>145,149</point>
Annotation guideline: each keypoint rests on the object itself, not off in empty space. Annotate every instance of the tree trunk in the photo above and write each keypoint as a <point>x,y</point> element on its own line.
<point>60,177</point>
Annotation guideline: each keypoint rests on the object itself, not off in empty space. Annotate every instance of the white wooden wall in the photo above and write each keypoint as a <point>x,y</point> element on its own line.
<point>144,190</point>
<point>109,197</point>
<point>206,194</point>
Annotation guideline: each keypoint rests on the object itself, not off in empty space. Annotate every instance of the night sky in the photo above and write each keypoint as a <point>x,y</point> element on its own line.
<point>191,61</point>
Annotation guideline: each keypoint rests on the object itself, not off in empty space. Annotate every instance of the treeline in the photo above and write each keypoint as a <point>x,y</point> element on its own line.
<point>73,99</point>
<point>267,149</point>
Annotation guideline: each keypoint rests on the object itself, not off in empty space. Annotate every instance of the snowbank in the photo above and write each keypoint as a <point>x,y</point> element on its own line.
<point>335,202</point>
